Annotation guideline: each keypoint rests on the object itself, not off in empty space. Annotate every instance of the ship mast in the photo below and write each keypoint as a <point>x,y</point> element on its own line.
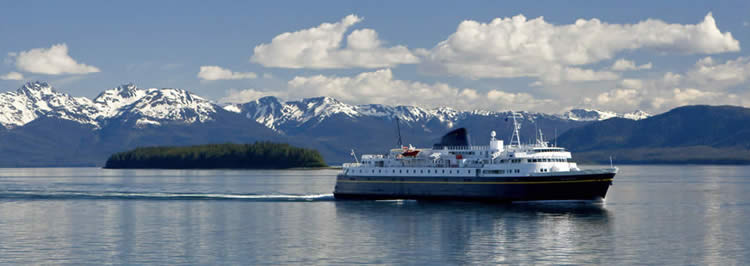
<point>398,129</point>
<point>516,137</point>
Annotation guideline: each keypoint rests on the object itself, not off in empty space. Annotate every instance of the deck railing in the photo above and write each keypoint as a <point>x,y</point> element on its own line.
<point>472,148</point>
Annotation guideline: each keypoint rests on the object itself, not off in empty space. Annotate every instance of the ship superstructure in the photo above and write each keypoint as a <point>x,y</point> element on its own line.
<point>455,169</point>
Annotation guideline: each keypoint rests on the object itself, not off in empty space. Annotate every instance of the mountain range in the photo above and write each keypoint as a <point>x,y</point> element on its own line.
<point>688,134</point>
<point>44,127</point>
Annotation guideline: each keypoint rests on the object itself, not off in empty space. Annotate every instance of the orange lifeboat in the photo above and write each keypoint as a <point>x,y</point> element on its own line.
<point>410,153</point>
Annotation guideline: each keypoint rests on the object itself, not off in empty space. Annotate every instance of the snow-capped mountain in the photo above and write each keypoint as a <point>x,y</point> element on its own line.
<point>273,113</point>
<point>597,115</point>
<point>636,115</point>
<point>37,99</point>
<point>154,106</point>
<point>127,102</point>
<point>277,115</point>
<point>42,126</point>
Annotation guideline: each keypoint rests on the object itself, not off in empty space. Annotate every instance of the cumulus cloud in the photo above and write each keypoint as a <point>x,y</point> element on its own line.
<point>247,95</point>
<point>52,61</point>
<point>218,73</point>
<point>381,87</point>
<point>709,73</point>
<point>12,76</point>
<point>707,82</point>
<point>321,47</point>
<point>626,100</point>
<point>579,74</point>
<point>687,96</point>
<point>631,83</point>
<point>624,65</point>
<point>617,99</point>
<point>519,47</point>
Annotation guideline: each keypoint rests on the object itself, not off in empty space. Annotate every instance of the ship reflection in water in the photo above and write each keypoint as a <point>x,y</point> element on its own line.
<point>461,232</point>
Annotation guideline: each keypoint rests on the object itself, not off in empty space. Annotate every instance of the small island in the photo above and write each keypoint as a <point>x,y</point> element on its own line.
<point>260,155</point>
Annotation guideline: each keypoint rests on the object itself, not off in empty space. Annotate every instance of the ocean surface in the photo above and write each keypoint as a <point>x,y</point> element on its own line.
<point>652,215</point>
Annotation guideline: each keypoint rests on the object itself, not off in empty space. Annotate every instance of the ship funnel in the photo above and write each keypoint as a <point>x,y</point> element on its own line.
<point>457,137</point>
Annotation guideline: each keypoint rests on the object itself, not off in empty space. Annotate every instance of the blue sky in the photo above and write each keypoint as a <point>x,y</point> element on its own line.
<point>428,53</point>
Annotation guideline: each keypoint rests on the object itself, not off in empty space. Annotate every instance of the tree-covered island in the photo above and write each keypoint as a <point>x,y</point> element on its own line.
<point>260,155</point>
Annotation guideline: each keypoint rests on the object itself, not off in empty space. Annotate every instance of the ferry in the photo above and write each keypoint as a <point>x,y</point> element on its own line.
<point>456,170</point>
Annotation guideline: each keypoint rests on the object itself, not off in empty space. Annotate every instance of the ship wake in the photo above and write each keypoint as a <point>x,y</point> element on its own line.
<point>124,195</point>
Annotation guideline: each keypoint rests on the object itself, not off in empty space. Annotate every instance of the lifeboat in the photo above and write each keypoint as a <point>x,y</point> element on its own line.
<point>410,153</point>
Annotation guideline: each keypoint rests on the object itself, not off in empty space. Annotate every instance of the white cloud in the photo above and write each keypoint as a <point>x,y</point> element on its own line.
<point>247,95</point>
<point>624,65</point>
<point>517,47</point>
<point>671,79</point>
<point>707,82</point>
<point>321,47</point>
<point>618,96</point>
<point>579,74</point>
<point>12,76</point>
<point>52,61</point>
<point>708,73</point>
<point>381,87</point>
<point>631,83</point>
<point>218,73</point>
<point>689,96</point>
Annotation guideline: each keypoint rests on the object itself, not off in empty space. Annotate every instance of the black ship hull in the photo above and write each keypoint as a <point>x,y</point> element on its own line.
<point>570,186</point>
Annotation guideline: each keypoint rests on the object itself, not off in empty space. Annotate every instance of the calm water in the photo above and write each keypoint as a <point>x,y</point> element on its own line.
<point>652,215</point>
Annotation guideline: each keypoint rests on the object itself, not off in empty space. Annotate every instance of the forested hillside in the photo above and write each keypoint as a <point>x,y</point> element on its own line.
<point>260,155</point>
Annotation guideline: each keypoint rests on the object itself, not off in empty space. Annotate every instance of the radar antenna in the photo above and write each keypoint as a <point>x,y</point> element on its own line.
<point>516,137</point>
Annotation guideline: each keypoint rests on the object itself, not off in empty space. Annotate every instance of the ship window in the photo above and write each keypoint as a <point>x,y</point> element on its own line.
<point>373,171</point>
<point>407,171</point>
<point>394,171</point>
<point>443,171</point>
<point>399,171</point>
<point>420,171</point>
<point>450,171</point>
